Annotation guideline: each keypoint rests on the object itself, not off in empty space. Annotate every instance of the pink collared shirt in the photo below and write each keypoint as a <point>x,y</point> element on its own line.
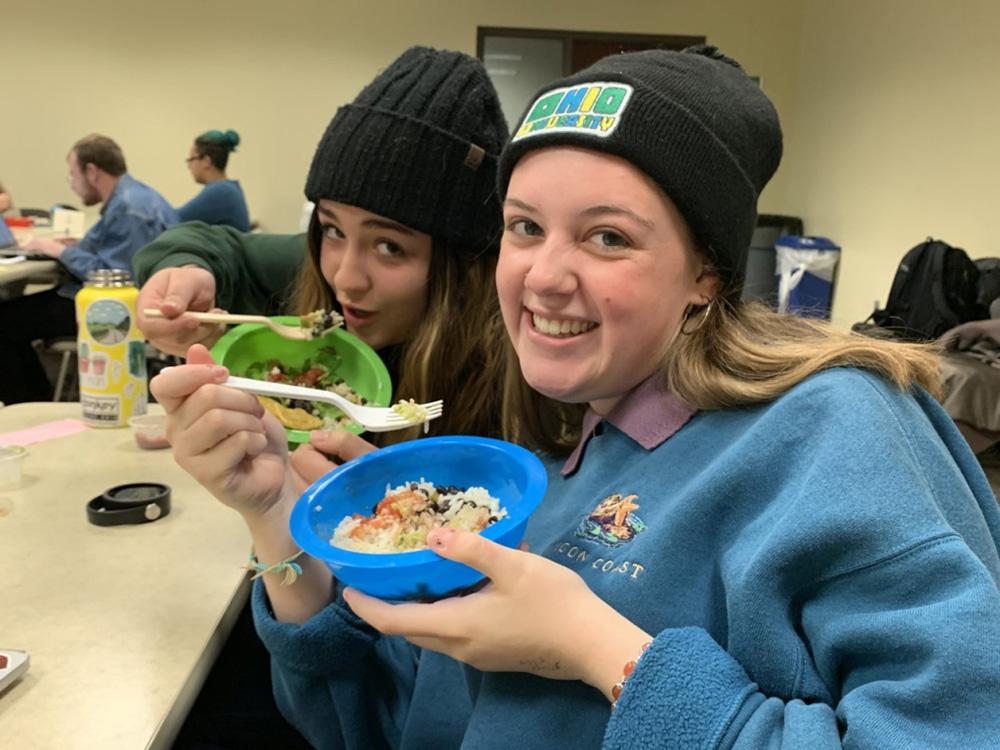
<point>648,414</point>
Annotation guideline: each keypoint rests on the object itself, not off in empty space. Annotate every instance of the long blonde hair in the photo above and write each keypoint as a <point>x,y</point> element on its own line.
<point>456,353</point>
<point>729,354</point>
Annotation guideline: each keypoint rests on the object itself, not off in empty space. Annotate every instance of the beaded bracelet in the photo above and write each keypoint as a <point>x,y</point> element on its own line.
<point>291,568</point>
<point>629,667</point>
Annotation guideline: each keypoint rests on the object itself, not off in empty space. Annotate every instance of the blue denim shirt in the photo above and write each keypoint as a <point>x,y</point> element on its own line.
<point>133,216</point>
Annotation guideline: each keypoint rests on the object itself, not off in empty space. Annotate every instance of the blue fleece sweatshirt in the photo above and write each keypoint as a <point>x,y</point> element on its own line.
<point>819,572</point>
<point>220,202</point>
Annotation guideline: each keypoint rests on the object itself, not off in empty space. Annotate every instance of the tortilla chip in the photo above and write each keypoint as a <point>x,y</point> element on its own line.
<point>293,419</point>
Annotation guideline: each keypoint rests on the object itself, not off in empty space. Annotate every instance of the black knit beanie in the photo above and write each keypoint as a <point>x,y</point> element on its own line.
<point>691,120</point>
<point>419,145</point>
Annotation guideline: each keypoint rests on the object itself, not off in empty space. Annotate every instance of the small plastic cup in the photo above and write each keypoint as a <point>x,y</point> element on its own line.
<point>150,431</point>
<point>11,464</point>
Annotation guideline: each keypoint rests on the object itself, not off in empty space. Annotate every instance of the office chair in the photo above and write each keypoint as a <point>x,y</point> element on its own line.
<point>65,349</point>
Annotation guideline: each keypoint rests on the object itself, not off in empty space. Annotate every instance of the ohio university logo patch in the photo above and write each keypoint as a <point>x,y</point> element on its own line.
<point>588,108</point>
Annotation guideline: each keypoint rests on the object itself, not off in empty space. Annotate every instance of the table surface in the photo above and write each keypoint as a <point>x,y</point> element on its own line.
<point>122,623</point>
<point>41,270</point>
<point>29,269</point>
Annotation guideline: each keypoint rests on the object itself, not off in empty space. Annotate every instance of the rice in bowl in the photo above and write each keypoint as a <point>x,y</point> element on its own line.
<point>407,513</point>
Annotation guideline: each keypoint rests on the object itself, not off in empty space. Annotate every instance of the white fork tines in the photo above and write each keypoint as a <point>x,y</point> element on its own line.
<point>433,409</point>
<point>372,418</point>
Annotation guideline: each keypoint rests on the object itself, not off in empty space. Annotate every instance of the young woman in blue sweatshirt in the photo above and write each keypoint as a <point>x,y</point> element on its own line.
<point>221,200</point>
<point>759,532</point>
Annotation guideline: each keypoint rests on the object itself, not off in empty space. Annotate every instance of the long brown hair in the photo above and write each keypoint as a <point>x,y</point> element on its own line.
<point>456,353</point>
<point>729,354</point>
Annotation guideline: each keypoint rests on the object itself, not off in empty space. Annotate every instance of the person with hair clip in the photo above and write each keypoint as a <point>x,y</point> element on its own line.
<point>759,531</point>
<point>221,201</point>
<point>403,242</point>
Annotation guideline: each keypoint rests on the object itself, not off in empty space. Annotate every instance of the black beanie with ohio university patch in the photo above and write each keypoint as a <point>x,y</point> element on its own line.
<point>692,120</point>
<point>419,145</point>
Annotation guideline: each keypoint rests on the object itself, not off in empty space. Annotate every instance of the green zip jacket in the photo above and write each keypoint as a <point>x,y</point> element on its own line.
<point>254,273</point>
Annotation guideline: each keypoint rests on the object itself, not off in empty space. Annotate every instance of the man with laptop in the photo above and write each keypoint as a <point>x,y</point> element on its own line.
<point>132,215</point>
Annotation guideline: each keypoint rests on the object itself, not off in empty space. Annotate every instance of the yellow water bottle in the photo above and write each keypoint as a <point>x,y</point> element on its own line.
<point>111,349</point>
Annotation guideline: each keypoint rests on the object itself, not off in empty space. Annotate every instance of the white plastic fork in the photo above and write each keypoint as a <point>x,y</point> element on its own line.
<point>372,418</point>
<point>303,333</point>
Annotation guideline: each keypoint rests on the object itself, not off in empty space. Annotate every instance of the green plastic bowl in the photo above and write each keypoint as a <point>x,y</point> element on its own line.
<point>359,365</point>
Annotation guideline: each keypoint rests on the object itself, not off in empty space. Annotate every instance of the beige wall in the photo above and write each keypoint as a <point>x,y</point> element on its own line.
<point>896,134</point>
<point>154,76</point>
<point>890,107</point>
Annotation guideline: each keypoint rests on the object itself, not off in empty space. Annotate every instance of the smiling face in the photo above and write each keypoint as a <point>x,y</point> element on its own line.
<point>597,268</point>
<point>378,269</point>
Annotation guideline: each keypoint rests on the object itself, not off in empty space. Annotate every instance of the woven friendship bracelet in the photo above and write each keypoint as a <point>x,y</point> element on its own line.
<point>626,671</point>
<point>291,569</point>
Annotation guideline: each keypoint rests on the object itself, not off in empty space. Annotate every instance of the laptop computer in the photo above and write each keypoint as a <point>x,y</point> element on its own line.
<point>9,247</point>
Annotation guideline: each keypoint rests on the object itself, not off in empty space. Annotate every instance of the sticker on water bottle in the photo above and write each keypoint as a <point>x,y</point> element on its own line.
<point>137,359</point>
<point>108,322</point>
<point>100,409</point>
<point>94,371</point>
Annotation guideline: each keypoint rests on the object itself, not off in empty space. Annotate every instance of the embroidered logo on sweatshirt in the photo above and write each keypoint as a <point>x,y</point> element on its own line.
<point>612,522</point>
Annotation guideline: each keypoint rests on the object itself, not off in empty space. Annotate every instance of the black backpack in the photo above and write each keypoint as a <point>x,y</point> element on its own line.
<point>935,288</point>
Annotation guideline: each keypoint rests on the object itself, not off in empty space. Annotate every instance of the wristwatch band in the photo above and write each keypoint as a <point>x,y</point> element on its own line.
<point>140,502</point>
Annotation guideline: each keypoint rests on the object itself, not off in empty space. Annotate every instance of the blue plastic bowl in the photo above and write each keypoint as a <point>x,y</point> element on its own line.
<point>510,473</point>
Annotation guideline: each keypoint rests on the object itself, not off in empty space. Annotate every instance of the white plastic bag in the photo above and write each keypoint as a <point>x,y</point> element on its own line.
<point>792,263</point>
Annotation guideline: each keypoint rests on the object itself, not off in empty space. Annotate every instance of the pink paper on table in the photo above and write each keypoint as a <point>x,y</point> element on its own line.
<point>44,431</point>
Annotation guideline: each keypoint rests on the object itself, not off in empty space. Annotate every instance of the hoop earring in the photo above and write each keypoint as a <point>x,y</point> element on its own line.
<point>701,320</point>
